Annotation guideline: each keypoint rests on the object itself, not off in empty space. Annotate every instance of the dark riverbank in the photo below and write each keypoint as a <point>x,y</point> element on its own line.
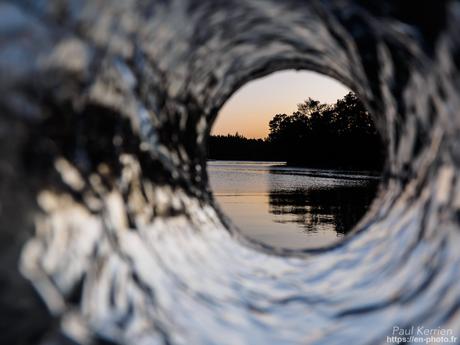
<point>239,148</point>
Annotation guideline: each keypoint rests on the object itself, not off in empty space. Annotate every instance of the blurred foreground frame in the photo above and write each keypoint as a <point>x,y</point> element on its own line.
<point>108,230</point>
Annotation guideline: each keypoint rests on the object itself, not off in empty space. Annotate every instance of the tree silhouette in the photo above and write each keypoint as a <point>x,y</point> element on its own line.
<point>339,136</point>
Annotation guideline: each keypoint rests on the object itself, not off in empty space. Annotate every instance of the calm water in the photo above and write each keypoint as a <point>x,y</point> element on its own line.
<point>290,207</point>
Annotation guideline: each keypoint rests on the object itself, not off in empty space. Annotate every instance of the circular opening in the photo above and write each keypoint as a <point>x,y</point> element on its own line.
<point>294,159</point>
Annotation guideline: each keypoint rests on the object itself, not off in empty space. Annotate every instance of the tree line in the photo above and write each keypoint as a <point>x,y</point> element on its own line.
<point>317,135</point>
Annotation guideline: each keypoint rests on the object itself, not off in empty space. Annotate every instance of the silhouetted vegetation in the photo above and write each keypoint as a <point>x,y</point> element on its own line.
<point>237,147</point>
<point>340,136</point>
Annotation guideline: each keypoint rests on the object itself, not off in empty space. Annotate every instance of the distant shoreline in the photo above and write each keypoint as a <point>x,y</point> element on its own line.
<point>370,173</point>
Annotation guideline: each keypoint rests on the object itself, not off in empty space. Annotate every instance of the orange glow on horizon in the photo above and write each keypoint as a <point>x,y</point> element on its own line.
<point>250,109</point>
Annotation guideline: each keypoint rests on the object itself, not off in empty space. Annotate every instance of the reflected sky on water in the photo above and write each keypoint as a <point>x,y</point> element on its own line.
<point>291,207</point>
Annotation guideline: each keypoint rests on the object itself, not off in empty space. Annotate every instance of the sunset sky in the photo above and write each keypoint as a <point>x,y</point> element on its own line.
<point>250,109</point>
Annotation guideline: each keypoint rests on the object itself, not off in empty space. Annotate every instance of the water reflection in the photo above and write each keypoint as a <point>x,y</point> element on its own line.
<point>337,209</point>
<point>291,207</point>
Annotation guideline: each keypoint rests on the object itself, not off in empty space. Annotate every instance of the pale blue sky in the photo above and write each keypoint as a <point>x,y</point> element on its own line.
<point>250,109</point>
